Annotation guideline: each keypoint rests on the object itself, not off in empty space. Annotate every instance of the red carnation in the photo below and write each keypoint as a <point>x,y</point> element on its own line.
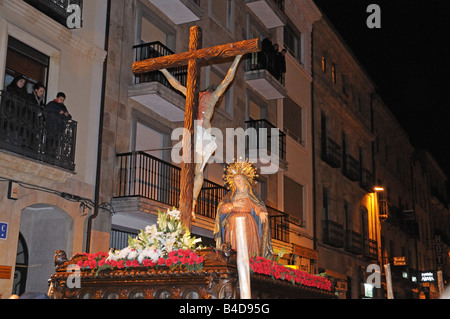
<point>148,263</point>
<point>199,259</point>
<point>172,253</point>
<point>168,262</point>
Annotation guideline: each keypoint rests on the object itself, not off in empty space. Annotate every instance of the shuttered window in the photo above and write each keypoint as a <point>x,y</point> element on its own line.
<point>293,120</point>
<point>293,199</point>
<point>23,60</point>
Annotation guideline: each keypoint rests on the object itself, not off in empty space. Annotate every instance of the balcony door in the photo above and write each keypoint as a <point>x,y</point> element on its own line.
<point>151,28</point>
<point>154,176</point>
<point>149,141</point>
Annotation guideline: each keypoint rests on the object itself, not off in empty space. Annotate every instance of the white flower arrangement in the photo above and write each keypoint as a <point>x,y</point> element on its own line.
<point>157,241</point>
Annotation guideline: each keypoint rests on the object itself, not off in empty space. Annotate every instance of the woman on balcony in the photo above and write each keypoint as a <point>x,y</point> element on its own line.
<point>38,95</point>
<point>36,117</point>
<point>17,87</point>
<point>243,201</point>
<point>10,107</point>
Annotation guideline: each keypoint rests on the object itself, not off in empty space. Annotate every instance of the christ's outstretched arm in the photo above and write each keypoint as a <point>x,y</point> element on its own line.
<point>174,82</point>
<point>228,78</point>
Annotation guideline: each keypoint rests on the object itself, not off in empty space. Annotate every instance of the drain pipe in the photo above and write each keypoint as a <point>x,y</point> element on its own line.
<point>100,133</point>
<point>313,145</point>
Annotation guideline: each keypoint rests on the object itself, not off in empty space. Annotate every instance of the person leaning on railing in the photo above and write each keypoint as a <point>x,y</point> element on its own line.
<point>57,117</point>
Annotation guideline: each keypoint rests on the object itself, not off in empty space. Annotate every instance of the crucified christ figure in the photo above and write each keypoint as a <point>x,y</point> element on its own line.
<point>206,104</point>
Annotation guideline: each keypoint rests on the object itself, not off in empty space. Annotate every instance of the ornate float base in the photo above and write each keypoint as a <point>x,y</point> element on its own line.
<point>217,280</point>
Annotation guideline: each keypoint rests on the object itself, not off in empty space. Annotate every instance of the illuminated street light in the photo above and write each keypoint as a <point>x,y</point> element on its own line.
<point>378,189</point>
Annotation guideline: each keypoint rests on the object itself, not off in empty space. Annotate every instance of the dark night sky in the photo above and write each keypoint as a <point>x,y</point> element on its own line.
<point>409,61</point>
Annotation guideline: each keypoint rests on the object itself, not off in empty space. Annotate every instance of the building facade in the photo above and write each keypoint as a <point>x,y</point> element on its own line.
<point>432,211</point>
<point>48,164</point>
<point>345,206</point>
<point>375,206</point>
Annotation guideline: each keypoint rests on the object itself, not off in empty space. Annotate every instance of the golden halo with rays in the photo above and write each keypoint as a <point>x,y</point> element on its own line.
<point>239,168</point>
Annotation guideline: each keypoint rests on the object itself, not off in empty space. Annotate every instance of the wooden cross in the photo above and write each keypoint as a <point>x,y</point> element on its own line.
<point>193,58</point>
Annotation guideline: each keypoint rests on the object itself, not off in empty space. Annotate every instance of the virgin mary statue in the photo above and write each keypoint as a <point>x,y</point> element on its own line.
<point>243,201</point>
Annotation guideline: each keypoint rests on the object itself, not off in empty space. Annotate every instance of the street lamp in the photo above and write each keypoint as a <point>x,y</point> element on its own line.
<point>378,189</point>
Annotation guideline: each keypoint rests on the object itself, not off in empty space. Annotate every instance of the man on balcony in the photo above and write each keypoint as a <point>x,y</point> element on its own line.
<point>57,107</point>
<point>56,119</point>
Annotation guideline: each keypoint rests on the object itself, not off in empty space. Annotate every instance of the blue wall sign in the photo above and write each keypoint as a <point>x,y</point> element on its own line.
<point>3,230</point>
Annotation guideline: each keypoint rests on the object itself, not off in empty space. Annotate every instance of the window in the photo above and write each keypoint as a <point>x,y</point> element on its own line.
<point>254,111</point>
<point>22,59</point>
<point>293,119</point>
<point>293,198</point>
<point>348,217</point>
<point>324,64</point>
<point>333,73</point>
<point>365,224</point>
<point>323,129</point>
<point>150,33</point>
<point>292,41</point>
<point>325,203</point>
<point>149,140</point>
<point>151,137</point>
<point>344,85</point>
<point>257,109</point>
<point>151,28</point>
<point>344,151</point>
<point>222,10</point>
<point>261,188</point>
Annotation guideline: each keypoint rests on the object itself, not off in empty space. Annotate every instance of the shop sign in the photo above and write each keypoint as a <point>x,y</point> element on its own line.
<point>305,252</point>
<point>400,261</point>
<point>5,272</point>
<point>427,276</point>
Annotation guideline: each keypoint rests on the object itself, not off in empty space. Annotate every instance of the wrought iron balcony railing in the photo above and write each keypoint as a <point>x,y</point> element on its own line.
<point>351,168</point>
<point>279,224</point>
<point>354,243</point>
<point>28,131</point>
<point>370,249</point>
<point>55,9</point>
<point>333,234</point>
<point>331,152</point>
<point>264,61</point>
<point>367,180</point>
<point>143,175</point>
<point>153,50</point>
<point>266,144</point>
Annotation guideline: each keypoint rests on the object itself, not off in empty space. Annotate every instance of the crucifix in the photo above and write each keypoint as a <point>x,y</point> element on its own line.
<point>193,58</point>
